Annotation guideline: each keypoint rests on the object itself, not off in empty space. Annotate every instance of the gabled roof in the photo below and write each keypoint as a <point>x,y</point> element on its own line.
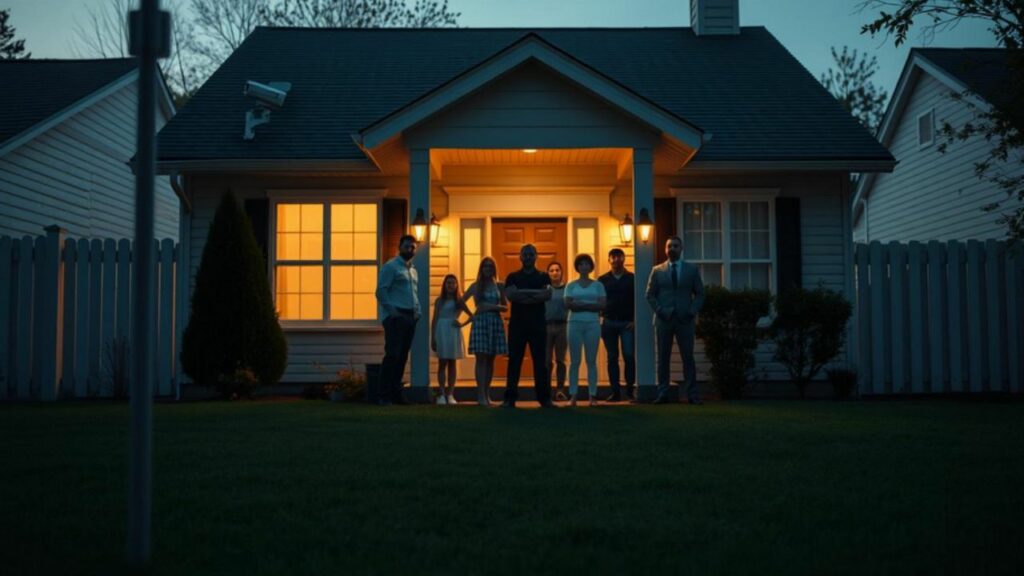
<point>980,72</point>
<point>35,91</point>
<point>757,100</point>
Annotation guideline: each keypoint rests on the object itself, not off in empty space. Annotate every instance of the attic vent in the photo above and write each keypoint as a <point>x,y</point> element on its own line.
<point>926,128</point>
<point>715,17</point>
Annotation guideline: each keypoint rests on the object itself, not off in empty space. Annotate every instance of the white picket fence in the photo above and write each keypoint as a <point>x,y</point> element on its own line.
<point>940,317</point>
<point>63,305</point>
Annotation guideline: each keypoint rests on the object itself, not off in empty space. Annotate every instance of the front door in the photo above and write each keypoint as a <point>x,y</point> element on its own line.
<point>507,236</point>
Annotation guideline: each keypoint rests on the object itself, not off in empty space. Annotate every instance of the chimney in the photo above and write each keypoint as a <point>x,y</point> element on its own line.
<point>715,17</point>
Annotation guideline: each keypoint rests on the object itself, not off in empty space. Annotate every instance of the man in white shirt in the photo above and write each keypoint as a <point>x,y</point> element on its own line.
<point>398,299</point>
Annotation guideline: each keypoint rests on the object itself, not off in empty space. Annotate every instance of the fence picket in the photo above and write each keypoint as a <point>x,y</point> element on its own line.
<point>879,320</point>
<point>6,276</point>
<point>864,369</point>
<point>938,319</point>
<point>23,312</point>
<point>83,318</point>
<point>109,309</point>
<point>957,326</point>
<point>995,281</point>
<point>96,325</point>
<point>67,381</point>
<point>976,315</point>
<point>165,344</point>
<point>917,298</point>
<point>897,315</point>
<point>1015,315</point>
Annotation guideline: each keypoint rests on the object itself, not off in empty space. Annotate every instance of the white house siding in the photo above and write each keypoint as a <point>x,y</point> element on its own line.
<point>930,195</point>
<point>76,175</point>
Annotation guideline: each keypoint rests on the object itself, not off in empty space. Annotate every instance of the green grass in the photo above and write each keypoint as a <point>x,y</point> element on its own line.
<point>312,487</point>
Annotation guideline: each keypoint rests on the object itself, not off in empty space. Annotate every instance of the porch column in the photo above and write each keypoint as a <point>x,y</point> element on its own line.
<point>643,261</point>
<point>419,199</point>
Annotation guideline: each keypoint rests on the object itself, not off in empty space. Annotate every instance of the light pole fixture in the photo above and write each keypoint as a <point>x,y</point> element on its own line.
<point>626,230</point>
<point>435,229</point>
<point>645,225</point>
<point>419,226</point>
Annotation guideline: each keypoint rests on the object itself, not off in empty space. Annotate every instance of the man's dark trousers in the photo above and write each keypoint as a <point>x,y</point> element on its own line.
<point>532,333</point>
<point>612,332</point>
<point>682,331</point>
<point>398,332</point>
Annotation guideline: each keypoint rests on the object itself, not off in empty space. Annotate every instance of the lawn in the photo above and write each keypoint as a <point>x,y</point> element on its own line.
<point>276,487</point>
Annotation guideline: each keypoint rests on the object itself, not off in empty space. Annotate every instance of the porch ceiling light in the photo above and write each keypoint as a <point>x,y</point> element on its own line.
<point>419,226</point>
<point>626,230</point>
<point>529,150</point>
<point>435,229</point>
<point>645,225</point>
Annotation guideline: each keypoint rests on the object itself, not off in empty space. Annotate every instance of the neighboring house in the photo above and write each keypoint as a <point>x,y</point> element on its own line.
<point>549,136</point>
<point>933,195</point>
<point>67,133</point>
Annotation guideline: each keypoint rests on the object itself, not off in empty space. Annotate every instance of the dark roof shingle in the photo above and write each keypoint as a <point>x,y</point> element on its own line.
<point>34,90</point>
<point>748,91</point>
<point>984,71</point>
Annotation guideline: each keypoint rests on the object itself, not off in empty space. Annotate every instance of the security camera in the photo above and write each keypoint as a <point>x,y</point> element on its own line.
<point>271,95</point>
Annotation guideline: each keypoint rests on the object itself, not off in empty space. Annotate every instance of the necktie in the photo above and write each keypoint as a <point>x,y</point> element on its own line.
<point>675,277</point>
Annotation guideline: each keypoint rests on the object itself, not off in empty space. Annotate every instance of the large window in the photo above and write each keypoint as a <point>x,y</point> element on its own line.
<point>325,260</point>
<point>730,241</point>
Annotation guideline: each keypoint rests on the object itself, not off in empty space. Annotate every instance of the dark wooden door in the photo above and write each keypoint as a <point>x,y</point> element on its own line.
<point>507,236</point>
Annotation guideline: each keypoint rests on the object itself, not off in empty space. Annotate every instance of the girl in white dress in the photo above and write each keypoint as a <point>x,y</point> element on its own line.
<point>446,336</point>
<point>584,298</point>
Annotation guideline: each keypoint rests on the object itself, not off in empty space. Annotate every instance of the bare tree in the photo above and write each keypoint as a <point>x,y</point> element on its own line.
<point>364,13</point>
<point>220,27</point>
<point>10,49</point>
<point>850,82</point>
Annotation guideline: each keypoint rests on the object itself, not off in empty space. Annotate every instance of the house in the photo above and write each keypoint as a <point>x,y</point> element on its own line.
<point>504,136</point>
<point>933,195</point>
<point>67,133</point>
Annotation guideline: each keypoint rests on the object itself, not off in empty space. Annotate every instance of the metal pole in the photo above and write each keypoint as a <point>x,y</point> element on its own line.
<point>140,491</point>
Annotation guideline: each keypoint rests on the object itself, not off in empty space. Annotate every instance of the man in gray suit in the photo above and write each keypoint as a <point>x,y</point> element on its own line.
<point>675,293</point>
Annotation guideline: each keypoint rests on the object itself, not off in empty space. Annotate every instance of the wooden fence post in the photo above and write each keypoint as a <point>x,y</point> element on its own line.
<point>864,365</point>
<point>879,320</point>
<point>6,324</point>
<point>22,316</point>
<point>83,316</point>
<point>938,321</point>
<point>165,316</point>
<point>917,299</point>
<point>976,315</point>
<point>995,281</point>
<point>107,348</point>
<point>957,326</point>
<point>898,315</point>
<point>49,318</point>
<point>1014,328</point>
<point>67,379</point>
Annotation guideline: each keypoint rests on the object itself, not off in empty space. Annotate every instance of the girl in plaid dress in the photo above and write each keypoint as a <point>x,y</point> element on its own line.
<point>487,337</point>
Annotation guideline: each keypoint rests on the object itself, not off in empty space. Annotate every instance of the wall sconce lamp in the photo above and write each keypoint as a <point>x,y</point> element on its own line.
<point>435,229</point>
<point>419,226</point>
<point>626,230</point>
<point>645,225</point>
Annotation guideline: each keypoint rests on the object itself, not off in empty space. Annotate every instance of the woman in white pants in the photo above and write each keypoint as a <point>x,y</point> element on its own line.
<point>584,298</point>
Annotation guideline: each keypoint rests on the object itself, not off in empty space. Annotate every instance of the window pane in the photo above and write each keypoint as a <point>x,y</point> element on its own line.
<point>341,280</point>
<point>288,246</point>
<point>312,218</point>
<point>712,217</point>
<point>711,274</point>
<point>754,276</point>
<point>365,279</point>
<point>364,307</point>
<point>366,218</point>
<point>364,246</point>
<point>713,245</point>
<point>312,246</point>
<point>352,292</point>
<point>759,215</point>
<point>311,306</point>
<point>738,215</point>
<point>342,218</point>
<point>692,246</point>
<point>341,307</point>
<point>691,216</point>
<point>289,217</point>
<point>740,244</point>
<point>759,247</point>
<point>341,246</point>
<point>299,292</point>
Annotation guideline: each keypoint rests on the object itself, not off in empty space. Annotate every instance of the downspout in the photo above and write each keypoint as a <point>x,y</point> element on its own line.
<point>178,185</point>
<point>867,221</point>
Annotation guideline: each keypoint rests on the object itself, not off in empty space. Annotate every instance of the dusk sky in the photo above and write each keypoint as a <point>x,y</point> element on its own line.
<point>806,27</point>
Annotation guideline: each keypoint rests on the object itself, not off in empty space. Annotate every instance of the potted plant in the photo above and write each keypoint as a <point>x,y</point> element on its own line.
<point>347,385</point>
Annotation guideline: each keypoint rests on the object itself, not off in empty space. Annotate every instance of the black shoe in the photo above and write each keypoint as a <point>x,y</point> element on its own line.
<point>629,394</point>
<point>548,404</point>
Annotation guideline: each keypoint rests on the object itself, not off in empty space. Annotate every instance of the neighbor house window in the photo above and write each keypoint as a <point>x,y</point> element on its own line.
<point>325,260</point>
<point>730,241</point>
<point>926,128</point>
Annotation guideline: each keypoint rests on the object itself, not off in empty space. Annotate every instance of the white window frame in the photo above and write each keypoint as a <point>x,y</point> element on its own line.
<point>326,198</point>
<point>724,196</point>
<point>917,127</point>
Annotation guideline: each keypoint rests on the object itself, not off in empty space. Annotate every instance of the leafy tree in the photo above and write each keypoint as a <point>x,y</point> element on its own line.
<point>809,330</point>
<point>363,13</point>
<point>1002,122</point>
<point>850,82</point>
<point>233,338</point>
<point>10,49</point>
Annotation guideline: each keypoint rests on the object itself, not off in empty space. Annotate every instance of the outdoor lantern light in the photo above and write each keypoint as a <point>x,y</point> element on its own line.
<point>419,226</point>
<point>645,226</point>
<point>435,229</point>
<point>626,230</point>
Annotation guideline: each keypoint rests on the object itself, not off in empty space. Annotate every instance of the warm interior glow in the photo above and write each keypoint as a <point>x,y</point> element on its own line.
<point>529,150</point>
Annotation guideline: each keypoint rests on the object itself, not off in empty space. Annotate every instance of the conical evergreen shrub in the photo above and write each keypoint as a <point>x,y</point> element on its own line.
<point>233,328</point>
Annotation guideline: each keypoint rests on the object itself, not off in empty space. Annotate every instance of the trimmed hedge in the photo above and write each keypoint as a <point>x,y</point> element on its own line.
<point>233,328</point>
<point>728,327</point>
<point>809,331</point>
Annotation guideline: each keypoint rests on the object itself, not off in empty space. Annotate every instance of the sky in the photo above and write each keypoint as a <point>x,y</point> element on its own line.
<point>807,28</point>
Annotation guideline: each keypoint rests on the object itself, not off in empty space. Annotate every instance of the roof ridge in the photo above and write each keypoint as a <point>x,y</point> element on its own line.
<point>488,28</point>
<point>63,60</point>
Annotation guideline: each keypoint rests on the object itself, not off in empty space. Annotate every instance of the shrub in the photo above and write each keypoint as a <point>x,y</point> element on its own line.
<point>809,331</point>
<point>843,382</point>
<point>239,384</point>
<point>350,383</point>
<point>233,324</point>
<point>728,327</point>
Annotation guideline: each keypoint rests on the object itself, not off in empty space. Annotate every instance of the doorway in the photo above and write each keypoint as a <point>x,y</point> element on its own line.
<point>508,235</point>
